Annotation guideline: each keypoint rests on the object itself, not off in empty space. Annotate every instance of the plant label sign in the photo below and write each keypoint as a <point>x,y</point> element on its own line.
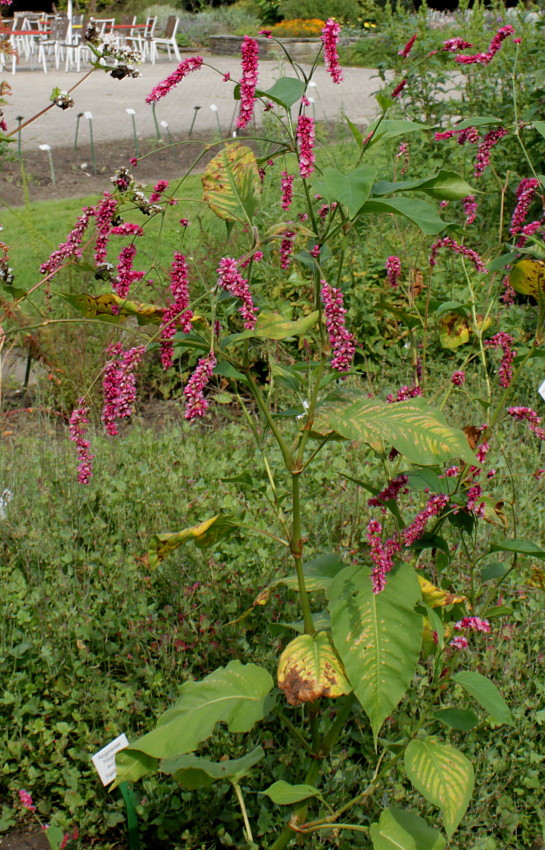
<point>541,390</point>
<point>104,760</point>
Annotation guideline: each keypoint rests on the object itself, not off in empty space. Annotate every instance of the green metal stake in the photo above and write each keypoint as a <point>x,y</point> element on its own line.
<point>157,130</point>
<point>89,117</point>
<point>214,109</point>
<point>164,125</point>
<point>19,120</point>
<point>132,113</point>
<point>196,109</point>
<point>78,119</point>
<point>51,169</point>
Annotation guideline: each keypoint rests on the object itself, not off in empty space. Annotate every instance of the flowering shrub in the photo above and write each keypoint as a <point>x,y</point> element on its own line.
<point>403,603</point>
<point>298,28</point>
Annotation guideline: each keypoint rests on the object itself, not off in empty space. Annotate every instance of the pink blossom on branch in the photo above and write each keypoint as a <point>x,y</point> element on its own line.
<point>330,40</point>
<point>248,82</point>
<point>448,242</point>
<point>474,624</point>
<point>183,69</point>
<point>230,279</point>
<point>286,249</point>
<point>525,195</point>
<point>305,137</point>
<point>119,385</point>
<point>486,58</point>
<point>458,378</point>
<point>177,311</point>
<point>529,415</point>
<point>482,160</point>
<point>77,430</point>
<point>393,270</point>
<point>196,403</point>
<point>470,209</point>
<point>503,341</point>
<point>287,190</point>
<point>342,341</point>
<point>399,88</point>
<point>126,275</point>
<point>404,52</point>
<point>453,44</point>
<point>392,491</point>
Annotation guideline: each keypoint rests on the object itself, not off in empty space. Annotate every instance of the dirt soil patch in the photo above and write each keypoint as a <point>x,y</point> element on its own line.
<point>24,841</point>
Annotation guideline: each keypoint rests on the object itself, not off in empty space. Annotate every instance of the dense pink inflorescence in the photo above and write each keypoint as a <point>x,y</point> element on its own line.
<point>393,270</point>
<point>393,490</point>
<point>330,40</point>
<point>183,69</point>
<point>342,341</point>
<point>404,393</point>
<point>196,404</point>
<point>530,416</point>
<point>104,213</point>
<point>482,160</point>
<point>470,209</point>
<point>459,642</point>
<point>127,229</point>
<point>230,279</point>
<point>399,88</point>
<point>404,52</point>
<point>463,135</point>
<point>177,311</point>
<point>287,190</point>
<point>305,136</point>
<point>248,82</point>
<point>79,419</point>
<point>433,507</point>
<point>525,195</point>
<point>453,44</point>
<point>26,800</point>
<point>448,242</point>
<point>486,58</point>
<point>119,384</point>
<point>126,275</point>
<point>458,378</point>
<point>71,247</point>
<point>158,190</point>
<point>503,341</point>
<point>474,624</point>
<point>286,249</point>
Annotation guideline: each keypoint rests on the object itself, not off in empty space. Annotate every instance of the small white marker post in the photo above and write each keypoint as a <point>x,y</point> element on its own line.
<point>49,156</point>
<point>104,760</point>
<point>214,109</point>
<point>132,113</point>
<point>541,390</point>
<point>164,125</point>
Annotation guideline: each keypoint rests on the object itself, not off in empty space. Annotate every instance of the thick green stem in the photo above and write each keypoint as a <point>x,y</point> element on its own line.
<point>296,545</point>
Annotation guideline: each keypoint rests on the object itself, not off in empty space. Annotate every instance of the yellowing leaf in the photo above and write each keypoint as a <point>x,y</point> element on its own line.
<point>231,184</point>
<point>309,669</point>
<point>528,277</point>
<point>436,597</point>
<point>111,308</point>
<point>537,579</point>
<point>203,535</point>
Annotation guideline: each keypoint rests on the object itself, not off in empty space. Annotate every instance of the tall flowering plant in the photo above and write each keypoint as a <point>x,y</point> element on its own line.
<point>388,619</point>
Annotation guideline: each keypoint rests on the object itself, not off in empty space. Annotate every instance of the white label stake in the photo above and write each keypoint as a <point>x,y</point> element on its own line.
<point>104,760</point>
<point>541,390</point>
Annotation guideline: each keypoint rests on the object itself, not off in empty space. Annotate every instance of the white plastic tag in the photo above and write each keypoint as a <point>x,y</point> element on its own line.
<point>104,760</point>
<point>541,390</point>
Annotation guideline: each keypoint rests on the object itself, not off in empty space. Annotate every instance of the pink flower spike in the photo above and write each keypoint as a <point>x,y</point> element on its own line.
<point>26,800</point>
<point>265,33</point>
<point>393,270</point>
<point>183,69</point>
<point>470,209</point>
<point>525,195</point>
<point>474,624</point>
<point>230,279</point>
<point>286,249</point>
<point>126,275</point>
<point>77,429</point>
<point>399,88</point>
<point>305,137</point>
<point>393,490</point>
<point>196,403</point>
<point>404,52</point>
<point>454,44</point>
<point>248,83</point>
<point>503,341</point>
<point>158,190</point>
<point>458,378</point>
<point>287,190</point>
<point>486,58</point>
<point>448,242</point>
<point>482,160</point>
<point>330,40</point>
<point>177,312</point>
<point>459,642</point>
<point>119,385</point>
<point>342,341</point>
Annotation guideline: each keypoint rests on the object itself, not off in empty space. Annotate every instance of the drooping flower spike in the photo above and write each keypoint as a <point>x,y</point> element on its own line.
<point>330,40</point>
<point>248,82</point>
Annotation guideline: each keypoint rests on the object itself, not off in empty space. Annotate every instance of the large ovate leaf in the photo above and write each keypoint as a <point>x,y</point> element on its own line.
<point>196,772</point>
<point>309,669</point>
<point>284,794</point>
<point>377,635</point>
<point>351,190</point>
<point>286,91</point>
<point>398,829</point>
<point>460,719</point>
<point>391,128</point>
<point>443,775</point>
<point>528,277</point>
<point>203,535</point>
<point>236,695</point>
<point>486,693</point>
<point>443,186</point>
<point>319,573</point>
<point>231,184</point>
<point>271,325</point>
<point>417,211</point>
<point>520,546</point>
<point>416,430</point>
<point>100,307</point>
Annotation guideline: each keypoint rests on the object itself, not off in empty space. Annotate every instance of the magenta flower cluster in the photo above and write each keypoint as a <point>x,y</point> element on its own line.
<point>525,195</point>
<point>503,341</point>
<point>71,247</point>
<point>404,394</point>
<point>452,45</point>
<point>470,209</point>
<point>196,404</point>
<point>392,491</point>
<point>287,190</point>
<point>119,384</point>
<point>248,82</point>
<point>463,135</point>
<point>230,279</point>
<point>183,69</point>
<point>486,58</point>
<point>404,52</point>
<point>474,624</point>
<point>330,40</point>
<point>104,214</point>
<point>177,311</point>
<point>482,160</point>
<point>126,275</point>
<point>305,137</point>
<point>158,190</point>
<point>451,244</point>
<point>286,249</point>
<point>77,430</point>
<point>530,416</point>
<point>393,270</point>
<point>458,378</point>
<point>342,341</point>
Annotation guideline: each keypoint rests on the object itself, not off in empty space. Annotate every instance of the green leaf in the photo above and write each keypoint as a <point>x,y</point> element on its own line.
<point>486,694</point>
<point>398,829</point>
<point>460,719</point>
<point>286,91</point>
<point>443,775</point>
<point>391,128</point>
<point>133,766</point>
<point>384,101</point>
<point>203,535</point>
<point>309,669</point>
<point>195,772</point>
<point>319,573</point>
<point>285,794</point>
<point>416,430</point>
<point>351,190</point>
<point>480,121</point>
<point>540,127</point>
<point>502,262</point>
<point>231,184</point>
<point>54,835</point>
<point>236,695</point>
<point>494,570</point>
<point>523,547</point>
<point>354,130</point>
<point>444,186</point>
<point>417,211</point>
<point>271,325</point>
<point>378,636</point>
